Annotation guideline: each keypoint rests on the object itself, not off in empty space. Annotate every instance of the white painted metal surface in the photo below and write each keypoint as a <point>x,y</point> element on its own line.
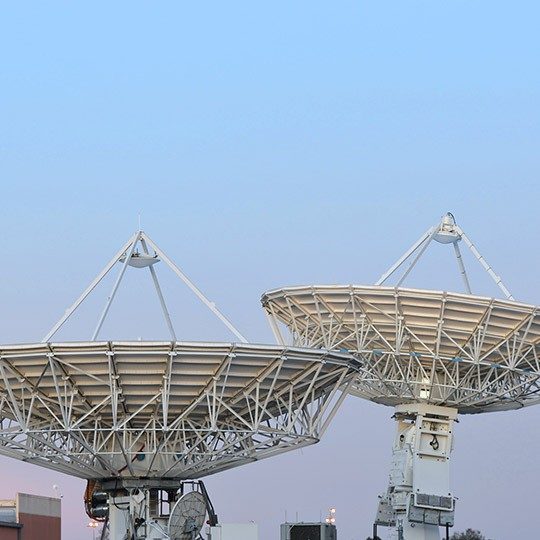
<point>433,353</point>
<point>162,409</point>
<point>128,255</point>
<point>142,416</point>
<point>120,509</point>
<point>234,531</point>
<point>419,499</point>
<point>447,231</point>
<point>468,352</point>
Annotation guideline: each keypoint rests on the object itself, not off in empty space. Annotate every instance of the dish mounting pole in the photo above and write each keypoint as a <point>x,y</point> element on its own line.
<point>419,501</point>
<point>445,232</point>
<point>128,256</point>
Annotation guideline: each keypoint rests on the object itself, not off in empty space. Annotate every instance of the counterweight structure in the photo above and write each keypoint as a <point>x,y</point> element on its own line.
<point>137,418</point>
<point>429,354</point>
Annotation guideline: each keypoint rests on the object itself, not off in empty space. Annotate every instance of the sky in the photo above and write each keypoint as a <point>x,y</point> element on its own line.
<point>264,145</point>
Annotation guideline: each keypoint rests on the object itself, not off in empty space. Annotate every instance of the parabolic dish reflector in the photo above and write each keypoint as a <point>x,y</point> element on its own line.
<point>469,352</point>
<point>187,516</point>
<point>162,409</point>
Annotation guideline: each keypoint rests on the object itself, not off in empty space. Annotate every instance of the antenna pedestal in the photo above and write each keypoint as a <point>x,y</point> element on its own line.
<point>135,515</point>
<point>152,509</point>
<point>419,500</point>
<point>138,508</point>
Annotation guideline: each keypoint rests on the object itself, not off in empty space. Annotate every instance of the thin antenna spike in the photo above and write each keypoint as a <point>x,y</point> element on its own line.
<point>115,287</point>
<point>160,294</point>
<point>417,258</point>
<point>210,305</point>
<point>405,256</point>
<point>487,267</point>
<point>89,289</point>
<point>461,266</point>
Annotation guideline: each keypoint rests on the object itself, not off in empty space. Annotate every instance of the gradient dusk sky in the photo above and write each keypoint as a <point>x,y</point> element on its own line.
<point>268,144</point>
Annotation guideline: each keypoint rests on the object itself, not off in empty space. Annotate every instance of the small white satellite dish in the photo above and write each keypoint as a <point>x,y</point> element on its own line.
<point>187,516</point>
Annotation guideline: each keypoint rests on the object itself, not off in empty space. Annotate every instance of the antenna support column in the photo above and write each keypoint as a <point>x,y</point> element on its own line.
<point>140,508</point>
<point>419,500</point>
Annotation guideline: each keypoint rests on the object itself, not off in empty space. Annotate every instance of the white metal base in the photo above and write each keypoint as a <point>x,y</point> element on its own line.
<point>234,531</point>
<point>419,501</point>
<point>123,513</point>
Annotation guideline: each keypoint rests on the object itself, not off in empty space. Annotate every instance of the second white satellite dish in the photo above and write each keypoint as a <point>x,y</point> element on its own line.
<point>187,516</point>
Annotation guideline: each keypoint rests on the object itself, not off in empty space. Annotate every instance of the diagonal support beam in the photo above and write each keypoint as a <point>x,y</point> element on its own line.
<point>405,256</point>
<point>417,258</point>
<point>461,266</point>
<point>487,267</point>
<point>445,232</point>
<point>89,289</point>
<point>210,305</point>
<point>125,253</point>
<point>160,294</point>
<point>115,287</point>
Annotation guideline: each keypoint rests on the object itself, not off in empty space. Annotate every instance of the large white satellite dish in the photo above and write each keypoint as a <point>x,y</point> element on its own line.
<point>472,353</point>
<point>137,418</point>
<point>431,355</point>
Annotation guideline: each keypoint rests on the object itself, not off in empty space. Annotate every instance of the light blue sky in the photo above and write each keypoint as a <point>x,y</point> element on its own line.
<point>270,144</point>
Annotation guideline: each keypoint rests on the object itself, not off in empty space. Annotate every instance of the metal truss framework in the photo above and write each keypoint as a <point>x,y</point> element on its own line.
<point>445,232</point>
<point>472,353</point>
<point>100,410</point>
<point>128,255</point>
<point>431,355</point>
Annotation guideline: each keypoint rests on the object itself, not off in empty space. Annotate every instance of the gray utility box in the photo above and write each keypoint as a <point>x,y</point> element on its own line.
<point>308,531</point>
<point>234,531</point>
